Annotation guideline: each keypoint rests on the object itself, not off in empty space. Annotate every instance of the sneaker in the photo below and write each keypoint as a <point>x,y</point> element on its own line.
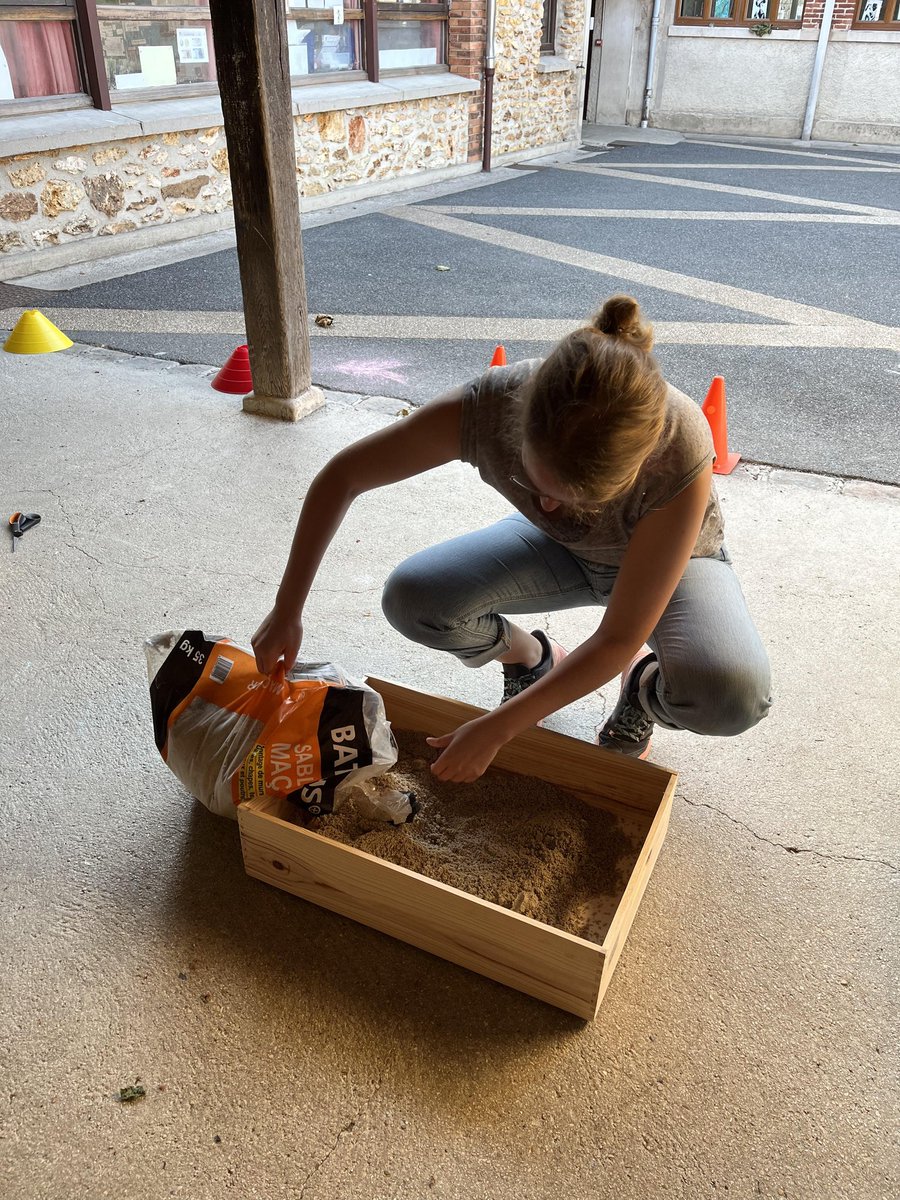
<point>628,728</point>
<point>516,678</point>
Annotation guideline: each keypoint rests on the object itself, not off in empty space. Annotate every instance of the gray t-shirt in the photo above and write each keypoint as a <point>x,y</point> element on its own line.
<point>491,442</point>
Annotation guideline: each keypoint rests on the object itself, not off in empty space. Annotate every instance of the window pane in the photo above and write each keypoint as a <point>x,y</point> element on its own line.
<point>758,10</point>
<point>790,10</point>
<point>548,22</point>
<point>156,52</point>
<point>322,46</point>
<point>410,44</point>
<point>37,58</point>
<point>692,9</point>
<point>722,10</point>
<point>873,10</point>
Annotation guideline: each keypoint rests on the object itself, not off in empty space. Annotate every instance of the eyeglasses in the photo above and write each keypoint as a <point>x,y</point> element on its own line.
<point>570,503</point>
<point>533,491</point>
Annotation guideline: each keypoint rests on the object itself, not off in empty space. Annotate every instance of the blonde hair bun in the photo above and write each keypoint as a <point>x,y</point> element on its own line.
<point>621,317</point>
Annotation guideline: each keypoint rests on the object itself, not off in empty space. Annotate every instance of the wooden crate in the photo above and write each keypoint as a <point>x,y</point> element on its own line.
<point>560,968</point>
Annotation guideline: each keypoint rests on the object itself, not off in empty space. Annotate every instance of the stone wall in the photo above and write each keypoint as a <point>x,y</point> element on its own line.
<point>357,145</point>
<point>532,108</point>
<point>120,187</point>
<point>115,188</point>
<point>112,188</point>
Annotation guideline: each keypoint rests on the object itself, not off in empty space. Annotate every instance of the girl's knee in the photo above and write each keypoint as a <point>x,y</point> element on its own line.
<point>725,699</point>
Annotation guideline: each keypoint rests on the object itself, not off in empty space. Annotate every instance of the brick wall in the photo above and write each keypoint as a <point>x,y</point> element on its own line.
<point>467,30</point>
<point>844,12</point>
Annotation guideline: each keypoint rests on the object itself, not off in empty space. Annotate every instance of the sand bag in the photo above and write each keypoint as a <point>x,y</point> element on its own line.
<point>231,734</point>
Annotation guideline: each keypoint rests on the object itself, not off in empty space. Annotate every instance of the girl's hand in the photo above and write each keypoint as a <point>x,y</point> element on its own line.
<point>277,640</point>
<point>467,752</point>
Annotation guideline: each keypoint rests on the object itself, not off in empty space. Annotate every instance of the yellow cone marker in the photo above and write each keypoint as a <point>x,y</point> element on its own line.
<point>34,334</point>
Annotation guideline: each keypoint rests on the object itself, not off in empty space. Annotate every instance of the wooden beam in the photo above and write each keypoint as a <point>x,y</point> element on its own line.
<point>250,41</point>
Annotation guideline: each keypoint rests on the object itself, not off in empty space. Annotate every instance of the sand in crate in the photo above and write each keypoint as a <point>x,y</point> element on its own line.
<point>512,839</point>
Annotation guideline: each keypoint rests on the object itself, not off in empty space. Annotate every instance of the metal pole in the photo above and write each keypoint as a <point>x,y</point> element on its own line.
<point>651,63</point>
<point>490,63</point>
<point>818,66</point>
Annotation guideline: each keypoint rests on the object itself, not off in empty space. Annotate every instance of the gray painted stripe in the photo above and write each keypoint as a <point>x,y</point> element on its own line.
<point>702,186</point>
<point>440,328</point>
<point>773,307</point>
<point>673,214</point>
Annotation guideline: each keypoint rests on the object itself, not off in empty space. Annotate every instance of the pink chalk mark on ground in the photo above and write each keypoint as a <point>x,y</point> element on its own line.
<point>372,368</point>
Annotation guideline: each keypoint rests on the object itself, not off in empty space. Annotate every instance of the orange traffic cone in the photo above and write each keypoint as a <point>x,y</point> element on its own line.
<point>716,413</point>
<point>499,359</point>
<point>235,376</point>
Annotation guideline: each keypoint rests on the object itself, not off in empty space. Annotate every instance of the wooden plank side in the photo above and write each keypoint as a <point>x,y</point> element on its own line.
<point>548,964</point>
<point>565,761</point>
<point>254,86</point>
<point>634,891</point>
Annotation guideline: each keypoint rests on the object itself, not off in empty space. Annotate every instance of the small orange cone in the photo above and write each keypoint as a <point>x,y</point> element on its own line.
<point>499,359</point>
<point>34,334</point>
<point>235,376</point>
<point>716,413</point>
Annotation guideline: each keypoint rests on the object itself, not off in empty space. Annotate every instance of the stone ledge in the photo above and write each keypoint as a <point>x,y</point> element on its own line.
<point>44,132</point>
<point>741,32</point>
<point>550,63</point>
<point>359,93</point>
<point>37,133</point>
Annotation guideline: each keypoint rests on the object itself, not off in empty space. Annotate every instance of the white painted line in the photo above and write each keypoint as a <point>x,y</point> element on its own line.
<point>671,214</point>
<point>691,166</point>
<point>439,327</point>
<point>748,149</point>
<point>707,290</point>
<point>127,320</point>
<point>700,185</point>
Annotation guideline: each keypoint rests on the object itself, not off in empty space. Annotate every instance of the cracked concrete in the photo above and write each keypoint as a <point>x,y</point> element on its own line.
<point>782,846</point>
<point>747,1045</point>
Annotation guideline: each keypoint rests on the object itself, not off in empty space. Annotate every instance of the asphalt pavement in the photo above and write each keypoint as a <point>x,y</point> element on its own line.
<point>770,265</point>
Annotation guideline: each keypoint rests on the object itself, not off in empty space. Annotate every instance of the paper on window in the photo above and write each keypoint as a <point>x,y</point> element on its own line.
<point>134,79</point>
<point>193,45</point>
<point>6,87</point>
<point>157,65</point>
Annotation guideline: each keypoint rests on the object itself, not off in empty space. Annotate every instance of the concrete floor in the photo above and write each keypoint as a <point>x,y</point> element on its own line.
<point>747,1046</point>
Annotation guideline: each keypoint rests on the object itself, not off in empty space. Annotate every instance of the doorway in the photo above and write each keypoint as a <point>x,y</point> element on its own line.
<point>608,68</point>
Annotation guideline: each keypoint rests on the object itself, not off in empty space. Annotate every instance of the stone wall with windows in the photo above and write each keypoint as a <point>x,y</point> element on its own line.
<point>125,187</point>
<point>534,106</point>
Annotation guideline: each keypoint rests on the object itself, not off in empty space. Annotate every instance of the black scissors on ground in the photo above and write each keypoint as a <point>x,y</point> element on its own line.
<point>19,522</point>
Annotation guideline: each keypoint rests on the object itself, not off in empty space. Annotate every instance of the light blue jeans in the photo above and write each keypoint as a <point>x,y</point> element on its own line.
<point>713,671</point>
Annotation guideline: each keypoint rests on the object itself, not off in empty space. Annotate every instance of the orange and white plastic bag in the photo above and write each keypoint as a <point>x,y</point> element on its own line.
<point>231,734</point>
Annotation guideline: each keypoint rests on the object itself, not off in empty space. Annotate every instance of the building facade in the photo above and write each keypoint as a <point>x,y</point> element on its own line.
<point>748,67</point>
<point>111,134</point>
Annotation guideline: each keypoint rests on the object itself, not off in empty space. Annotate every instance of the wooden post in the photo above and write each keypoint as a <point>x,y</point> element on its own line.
<point>250,40</point>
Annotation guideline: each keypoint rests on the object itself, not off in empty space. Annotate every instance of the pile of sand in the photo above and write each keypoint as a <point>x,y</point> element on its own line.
<point>511,839</point>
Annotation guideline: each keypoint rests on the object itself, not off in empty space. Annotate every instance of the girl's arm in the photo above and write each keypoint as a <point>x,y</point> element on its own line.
<point>427,438</point>
<point>654,561</point>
